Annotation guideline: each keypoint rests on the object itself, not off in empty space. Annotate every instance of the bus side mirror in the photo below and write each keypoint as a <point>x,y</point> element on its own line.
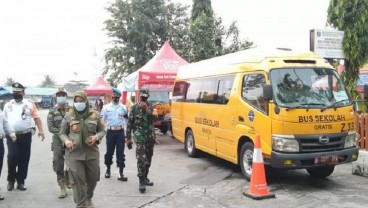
<point>365,91</point>
<point>268,93</point>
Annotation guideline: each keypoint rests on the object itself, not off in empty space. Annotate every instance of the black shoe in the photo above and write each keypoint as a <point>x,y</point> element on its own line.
<point>10,186</point>
<point>22,187</point>
<point>107,174</point>
<point>148,182</point>
<point>142,185</point>
<point>1,197</point>
<point>122,177</point>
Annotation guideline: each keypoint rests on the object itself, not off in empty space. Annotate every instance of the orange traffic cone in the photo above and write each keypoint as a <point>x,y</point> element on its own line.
<point>258,185</point>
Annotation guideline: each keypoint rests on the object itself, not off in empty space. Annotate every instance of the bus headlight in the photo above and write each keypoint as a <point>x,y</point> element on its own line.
<point>283,143</point>
<point>350,140</point>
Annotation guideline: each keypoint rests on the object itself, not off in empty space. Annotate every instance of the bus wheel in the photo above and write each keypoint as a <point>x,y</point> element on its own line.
<point>246,159</point>
<point>190,144</point>
<point>321,172</point>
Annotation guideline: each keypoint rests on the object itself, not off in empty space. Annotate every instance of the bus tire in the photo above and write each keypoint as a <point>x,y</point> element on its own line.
<point>190,144</point>
<point>321,172</point>
<point>246,160</point>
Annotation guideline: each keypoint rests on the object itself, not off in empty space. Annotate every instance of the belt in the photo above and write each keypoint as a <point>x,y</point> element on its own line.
<point>23,132</point>
<point>115,128</point>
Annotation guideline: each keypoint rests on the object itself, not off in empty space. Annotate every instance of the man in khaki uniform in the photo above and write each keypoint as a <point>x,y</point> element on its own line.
<point>54,118</point>
<point>81,131</point>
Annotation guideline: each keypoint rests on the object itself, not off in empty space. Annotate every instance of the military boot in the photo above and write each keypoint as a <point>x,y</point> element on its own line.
<point>121,175</point>
<point>148,182</point>
<point>142,184</point>
<point>62,189</point>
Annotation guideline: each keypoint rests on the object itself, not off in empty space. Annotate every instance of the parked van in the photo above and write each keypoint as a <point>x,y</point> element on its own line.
<point>296,102</point>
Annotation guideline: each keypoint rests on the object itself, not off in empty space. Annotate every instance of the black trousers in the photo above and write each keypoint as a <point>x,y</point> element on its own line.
<point>1,154</point>
<point>115,139</point>
<point>19,153</point>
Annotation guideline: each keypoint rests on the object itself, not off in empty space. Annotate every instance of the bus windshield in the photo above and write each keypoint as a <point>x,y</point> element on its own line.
<point>159,97</point>
<point>308,88</point>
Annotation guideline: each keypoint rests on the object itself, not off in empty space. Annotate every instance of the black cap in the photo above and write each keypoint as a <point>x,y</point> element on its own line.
<point>17,87</point>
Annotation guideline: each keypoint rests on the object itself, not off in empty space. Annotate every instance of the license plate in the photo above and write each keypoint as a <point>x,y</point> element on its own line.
<point>326,160</point>
<point>157,123</point>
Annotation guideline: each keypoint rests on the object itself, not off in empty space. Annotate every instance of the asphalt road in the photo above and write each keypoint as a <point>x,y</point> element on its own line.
<point>184,182</point>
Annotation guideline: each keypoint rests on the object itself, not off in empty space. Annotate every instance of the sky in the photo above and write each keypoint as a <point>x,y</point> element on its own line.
<point>65,39</point>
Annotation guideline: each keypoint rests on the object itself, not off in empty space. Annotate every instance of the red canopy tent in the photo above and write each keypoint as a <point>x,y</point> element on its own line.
<point>99,88</point>
<point>158,74</point>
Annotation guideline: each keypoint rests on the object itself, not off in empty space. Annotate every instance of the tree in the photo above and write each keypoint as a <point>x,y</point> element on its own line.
<point>48,81</point>
<point>138,29</point>
<point>352,18</point>
<point>9,81</point>
<point>178,29</point>
<point>204,40</point>
<point>201,7</point>
<point>202,33</point>
<point>209,38</point>
<point>235,43</point>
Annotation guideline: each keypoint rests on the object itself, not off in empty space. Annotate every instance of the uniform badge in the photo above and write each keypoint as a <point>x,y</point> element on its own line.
<point>75,127</point>
<point>93,116</point>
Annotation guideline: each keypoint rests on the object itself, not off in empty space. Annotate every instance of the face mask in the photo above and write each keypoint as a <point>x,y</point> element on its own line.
<point>61,100</point>
<point>80,106</point>
<point>17,96</point>
<point>115,99</point>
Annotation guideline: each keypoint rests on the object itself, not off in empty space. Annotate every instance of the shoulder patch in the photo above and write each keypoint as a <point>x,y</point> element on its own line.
<point>93,115</point>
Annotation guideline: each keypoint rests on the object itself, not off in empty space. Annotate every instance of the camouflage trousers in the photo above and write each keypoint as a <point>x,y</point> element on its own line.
<point>144,153</point>
<point>58,160</point>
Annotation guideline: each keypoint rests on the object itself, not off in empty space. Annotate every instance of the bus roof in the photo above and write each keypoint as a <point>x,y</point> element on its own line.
<point>250,60</point>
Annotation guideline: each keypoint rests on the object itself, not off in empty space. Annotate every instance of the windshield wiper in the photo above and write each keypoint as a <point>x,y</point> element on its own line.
<point>333,105</point>
<point>294,107</point>
<point>303,106</point>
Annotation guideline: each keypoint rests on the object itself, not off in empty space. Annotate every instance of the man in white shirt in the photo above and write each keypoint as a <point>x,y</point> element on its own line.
<point>4,130</point>
<point>19,112</point>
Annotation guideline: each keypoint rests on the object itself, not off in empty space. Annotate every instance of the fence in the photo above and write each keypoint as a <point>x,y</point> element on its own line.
<point>361,126</point>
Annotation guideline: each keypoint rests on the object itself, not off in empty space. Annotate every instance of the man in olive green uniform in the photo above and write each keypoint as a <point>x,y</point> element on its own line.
<point>140,122</point>
<point>54,118</point>
<point>81,131</point>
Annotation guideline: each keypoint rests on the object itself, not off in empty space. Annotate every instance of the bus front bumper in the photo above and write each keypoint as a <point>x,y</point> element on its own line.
<point>307,160</point>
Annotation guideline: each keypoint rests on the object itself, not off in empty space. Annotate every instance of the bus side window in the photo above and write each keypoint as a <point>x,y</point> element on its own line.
<point>224,89</point>
<point>194,92</point>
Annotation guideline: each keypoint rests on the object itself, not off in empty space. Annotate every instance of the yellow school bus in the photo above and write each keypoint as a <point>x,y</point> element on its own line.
<point>296,102</point>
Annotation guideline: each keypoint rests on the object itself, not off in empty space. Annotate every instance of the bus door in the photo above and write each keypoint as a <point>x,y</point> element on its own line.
<point>223,131</point>
<point>198,109</point>
<point>256,117</point>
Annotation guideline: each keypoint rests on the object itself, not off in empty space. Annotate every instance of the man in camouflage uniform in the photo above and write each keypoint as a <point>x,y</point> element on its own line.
<point>140,123</point>
<point>54,118</point>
